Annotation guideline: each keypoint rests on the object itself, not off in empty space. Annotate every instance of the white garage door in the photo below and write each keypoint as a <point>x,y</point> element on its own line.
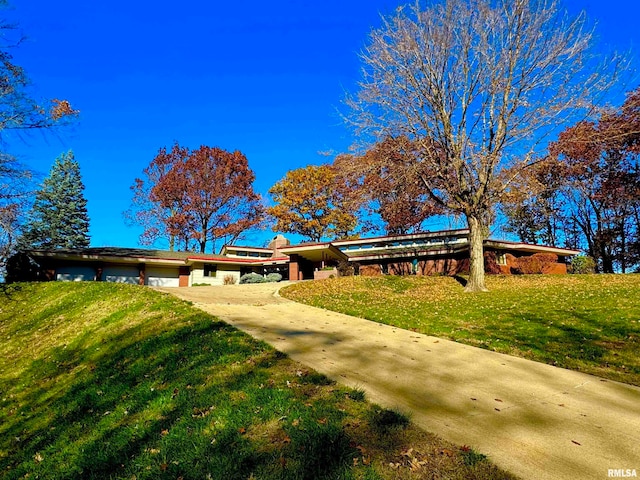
<point>121,274</point>
<point>75,274</point>
<point>163,277</point>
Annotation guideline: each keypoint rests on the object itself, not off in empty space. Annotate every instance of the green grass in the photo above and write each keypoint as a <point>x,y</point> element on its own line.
<point>112,381</point>
<point>589,323</point>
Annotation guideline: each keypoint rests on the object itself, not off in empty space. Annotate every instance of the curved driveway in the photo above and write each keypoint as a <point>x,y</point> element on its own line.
<point>532,419</point>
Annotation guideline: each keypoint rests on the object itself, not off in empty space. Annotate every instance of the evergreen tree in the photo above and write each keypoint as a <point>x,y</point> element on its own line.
<point>59,216</point>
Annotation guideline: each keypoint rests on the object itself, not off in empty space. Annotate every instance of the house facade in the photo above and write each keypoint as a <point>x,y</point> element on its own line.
<point>443,252</point>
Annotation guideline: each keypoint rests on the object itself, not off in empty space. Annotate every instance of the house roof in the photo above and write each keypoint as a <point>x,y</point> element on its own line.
<point>404,237</point>
<point>393,246</point>
<point>530,248</point>
<point>148,256</point>
<point>315,252</point>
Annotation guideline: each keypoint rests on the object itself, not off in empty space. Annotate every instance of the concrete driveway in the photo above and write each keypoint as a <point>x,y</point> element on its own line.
<point>534,420</point>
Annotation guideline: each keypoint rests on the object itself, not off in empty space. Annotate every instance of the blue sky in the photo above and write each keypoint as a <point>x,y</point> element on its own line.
<point>264,78</point>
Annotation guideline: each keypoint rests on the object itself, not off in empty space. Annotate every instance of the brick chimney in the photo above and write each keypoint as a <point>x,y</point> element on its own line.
<point>277,242</point>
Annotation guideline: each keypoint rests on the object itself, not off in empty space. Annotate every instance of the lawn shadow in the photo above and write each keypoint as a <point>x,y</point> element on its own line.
<point>461,280</point>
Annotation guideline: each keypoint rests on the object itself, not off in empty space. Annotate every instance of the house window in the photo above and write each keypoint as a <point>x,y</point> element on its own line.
<point>210,270</point>
<point>501,258</point>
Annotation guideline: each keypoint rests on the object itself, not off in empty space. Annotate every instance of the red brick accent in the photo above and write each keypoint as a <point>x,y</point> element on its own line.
<point>185,272</point>
<point>322,274</point>
<point>294,267</point>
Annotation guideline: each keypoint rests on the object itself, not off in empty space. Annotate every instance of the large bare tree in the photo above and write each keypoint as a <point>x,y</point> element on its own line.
<point>478,85</point>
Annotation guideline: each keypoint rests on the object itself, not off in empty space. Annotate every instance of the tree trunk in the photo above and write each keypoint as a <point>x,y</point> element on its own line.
<point>476,256</point>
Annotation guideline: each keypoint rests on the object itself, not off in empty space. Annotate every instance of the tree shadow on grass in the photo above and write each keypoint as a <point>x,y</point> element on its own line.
<point>156,405</point>
<point>461,280</point>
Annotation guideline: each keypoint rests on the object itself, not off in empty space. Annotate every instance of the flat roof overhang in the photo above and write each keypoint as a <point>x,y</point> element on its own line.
<point>408,253</point>
<point>529,248</point>
<point>167,262</point>
<point>240,261</point>
<point>460,232</point>
<point>316,252</point>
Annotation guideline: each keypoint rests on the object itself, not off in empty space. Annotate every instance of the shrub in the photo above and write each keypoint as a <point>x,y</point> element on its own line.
<point>346,269</point>
<point>274,277</point>
<point>491,266</point>
<point>533,264</point>
<point>229,280</point>
<point>582,264</point>
<point>252,278</point>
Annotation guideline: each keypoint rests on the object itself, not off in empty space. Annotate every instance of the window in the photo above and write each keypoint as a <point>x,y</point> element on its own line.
<point>210,270</point>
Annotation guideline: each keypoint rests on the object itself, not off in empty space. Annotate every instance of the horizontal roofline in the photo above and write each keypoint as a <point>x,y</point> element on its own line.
<point>531,247</point>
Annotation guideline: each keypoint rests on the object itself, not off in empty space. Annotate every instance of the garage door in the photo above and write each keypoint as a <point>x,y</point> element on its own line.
<point>163,277</point>
<point>75,274</point>
<point>121,274</point>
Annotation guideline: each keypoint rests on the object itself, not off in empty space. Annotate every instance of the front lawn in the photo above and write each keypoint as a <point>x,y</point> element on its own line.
<point>100,380</point>
<point>589,323</point>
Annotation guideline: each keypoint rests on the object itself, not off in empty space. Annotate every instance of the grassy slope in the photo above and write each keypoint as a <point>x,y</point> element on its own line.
<point>589,323</point>
<point>112,381</point>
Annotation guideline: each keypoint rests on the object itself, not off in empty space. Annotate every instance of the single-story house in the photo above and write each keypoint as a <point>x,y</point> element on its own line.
<point>442,252</point>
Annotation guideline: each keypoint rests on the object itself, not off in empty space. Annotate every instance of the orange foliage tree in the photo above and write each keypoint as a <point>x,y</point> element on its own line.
<point>315,202</point>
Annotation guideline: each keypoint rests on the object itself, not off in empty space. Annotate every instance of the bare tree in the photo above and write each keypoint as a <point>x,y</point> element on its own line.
<point>477,85</point>
<point>19,112</point>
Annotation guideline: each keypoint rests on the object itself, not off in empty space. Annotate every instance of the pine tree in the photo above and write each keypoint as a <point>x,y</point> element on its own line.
<point>59,216</point>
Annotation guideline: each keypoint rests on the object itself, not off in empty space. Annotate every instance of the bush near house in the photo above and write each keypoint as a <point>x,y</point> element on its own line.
<point>274,277</point>
<point>256,278</point>
<point>582,264</point>
<point>252,278</point>
<point>532,264</point>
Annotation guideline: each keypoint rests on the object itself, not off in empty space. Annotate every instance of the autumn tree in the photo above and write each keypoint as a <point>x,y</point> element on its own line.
<point>599,163</point>
<point>314,202</point>
<point>153,209</point>
<point>205,195</point>
<point>20,111</point>
<point>476,85</point>
<point>586,191</point>
<point>533,204</point>
<point>59,218</point>
<point>385,181</point>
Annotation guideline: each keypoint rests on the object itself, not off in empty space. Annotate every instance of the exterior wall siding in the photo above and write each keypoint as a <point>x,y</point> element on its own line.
<point>432,266</point>
<point>197,274</point>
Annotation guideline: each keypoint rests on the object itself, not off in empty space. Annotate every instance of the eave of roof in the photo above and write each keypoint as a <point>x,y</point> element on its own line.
<point>315,251</point>
<point>408,252</point>
<point>94,257</point>
<point>530,248</point>
<point>408,236</point>
<point>239,261</point>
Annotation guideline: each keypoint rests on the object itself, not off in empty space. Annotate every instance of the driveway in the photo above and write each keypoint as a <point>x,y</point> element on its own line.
<point>532,419</point>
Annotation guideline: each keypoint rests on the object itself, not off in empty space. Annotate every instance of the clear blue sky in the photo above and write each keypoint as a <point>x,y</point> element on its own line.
<point>261,77</point>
